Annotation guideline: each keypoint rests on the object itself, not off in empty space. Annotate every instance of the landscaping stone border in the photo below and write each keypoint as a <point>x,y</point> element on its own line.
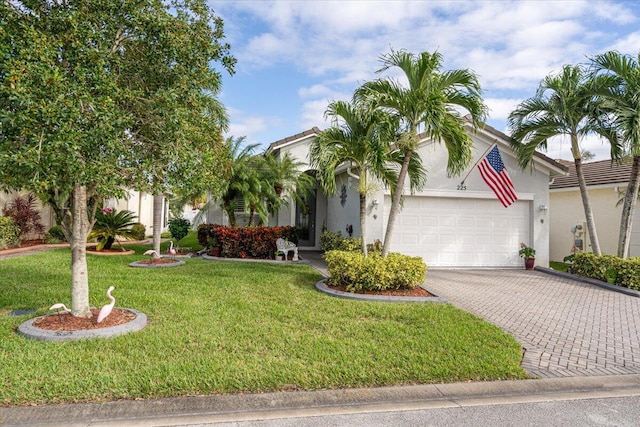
<point>138,264</point>
<point>322,287</point>
<point>27,330</point>
<point>595,282</point>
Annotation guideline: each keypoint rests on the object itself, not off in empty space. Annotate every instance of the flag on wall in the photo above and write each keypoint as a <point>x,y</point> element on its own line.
<point>497,178</point>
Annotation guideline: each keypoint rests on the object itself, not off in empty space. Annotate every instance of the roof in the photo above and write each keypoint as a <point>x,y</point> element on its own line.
<point>275,145</point>
<point>602,172</point>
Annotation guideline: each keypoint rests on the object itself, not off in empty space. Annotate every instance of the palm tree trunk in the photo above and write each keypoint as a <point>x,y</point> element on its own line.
<point>586,203</point>
<point>629,208</point>
<point>79,272</point>
<point>363,222</point>
<point>158,200</point>
<point>395,202</point>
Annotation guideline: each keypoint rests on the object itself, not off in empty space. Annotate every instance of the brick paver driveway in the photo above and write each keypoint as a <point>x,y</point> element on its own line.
<point>567,328</point>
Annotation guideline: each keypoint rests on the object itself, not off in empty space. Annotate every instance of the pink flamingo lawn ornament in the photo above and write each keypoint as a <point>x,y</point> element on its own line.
<point>171,250</point>
<point>106,310</point>
<point>61,309</point>
<point>153,253</point>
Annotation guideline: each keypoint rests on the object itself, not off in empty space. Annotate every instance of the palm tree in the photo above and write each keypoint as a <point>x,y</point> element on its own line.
<point>431,102</point>
<point>562,105</point>
<point>284,176</point>
<point>620,75</point>
<point>361,139</point>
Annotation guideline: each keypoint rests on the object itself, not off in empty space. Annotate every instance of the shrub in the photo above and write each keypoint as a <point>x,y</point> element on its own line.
<point>333,241</point>
<point>55,235</point>
<point>25,215</point>
<point>9,232</point>
<point>110,225</point>
<point>359,273</point>
<point>622,272</point>
<point>245,242</point>
<point>179,228</point>
<point>139,231</point>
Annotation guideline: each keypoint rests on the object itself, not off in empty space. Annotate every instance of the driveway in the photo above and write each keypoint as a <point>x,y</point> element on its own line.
<point>568,328</point>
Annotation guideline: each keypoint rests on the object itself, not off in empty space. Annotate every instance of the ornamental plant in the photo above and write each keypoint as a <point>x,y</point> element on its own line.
<point>25,215</point>
<point>111,225</point>
<point>9,232</point>
<point>526,251</point>
<point>179,228</point>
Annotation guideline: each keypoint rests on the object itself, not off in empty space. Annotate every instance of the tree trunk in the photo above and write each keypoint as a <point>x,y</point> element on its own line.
<point>395,202</point>
<point>79,272</point>
<point>158,200</point>
<point>586,203</point>
<point>363,222</point>
<point>629,208</point>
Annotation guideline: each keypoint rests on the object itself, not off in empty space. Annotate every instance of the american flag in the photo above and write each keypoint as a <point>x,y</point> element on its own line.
<point>496,176</point>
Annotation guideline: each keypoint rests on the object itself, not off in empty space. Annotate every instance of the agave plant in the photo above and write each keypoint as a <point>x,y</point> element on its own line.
<point>111,225</point>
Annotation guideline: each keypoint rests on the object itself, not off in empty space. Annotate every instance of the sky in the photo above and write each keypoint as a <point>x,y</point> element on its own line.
<point>295,57</point>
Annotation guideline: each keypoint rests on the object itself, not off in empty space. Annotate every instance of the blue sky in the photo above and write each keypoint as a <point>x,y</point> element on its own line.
<point>294,57</point>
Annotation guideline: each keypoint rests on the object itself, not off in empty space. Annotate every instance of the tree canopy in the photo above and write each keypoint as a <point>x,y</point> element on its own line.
<point>80,80</point>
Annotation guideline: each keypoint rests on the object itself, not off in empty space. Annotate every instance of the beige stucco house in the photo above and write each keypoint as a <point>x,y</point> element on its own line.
<point>446,224</point>
<point>606,183</point>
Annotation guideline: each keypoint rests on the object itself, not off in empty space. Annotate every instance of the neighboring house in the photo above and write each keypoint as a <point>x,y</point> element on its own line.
<point>447,225</point>
<point>606,184</point>
<point>140,203</point>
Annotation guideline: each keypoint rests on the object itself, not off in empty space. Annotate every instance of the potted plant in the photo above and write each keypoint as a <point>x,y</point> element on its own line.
<point>279,255</point>
<point>214,246</point>
<point>529,255</point>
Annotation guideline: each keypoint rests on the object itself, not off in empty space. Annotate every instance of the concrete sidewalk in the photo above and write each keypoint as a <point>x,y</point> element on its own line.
<point>264,406</point>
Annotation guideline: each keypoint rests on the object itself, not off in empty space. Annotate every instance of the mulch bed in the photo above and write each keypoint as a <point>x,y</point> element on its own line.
<point>415,292</point>
<point>67,322</point>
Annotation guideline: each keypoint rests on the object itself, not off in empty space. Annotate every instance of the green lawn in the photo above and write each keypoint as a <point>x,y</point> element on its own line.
<point>226,327</point>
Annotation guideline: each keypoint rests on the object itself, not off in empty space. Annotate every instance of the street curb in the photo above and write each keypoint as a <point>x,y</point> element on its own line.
<point>260,406</point>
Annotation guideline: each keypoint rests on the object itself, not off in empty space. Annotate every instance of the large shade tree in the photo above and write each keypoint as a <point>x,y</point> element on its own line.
<point>562,105</point>
<point>64,115</point>
<point>361,139</point>
<point>428,100</point>
<point>619,78</point>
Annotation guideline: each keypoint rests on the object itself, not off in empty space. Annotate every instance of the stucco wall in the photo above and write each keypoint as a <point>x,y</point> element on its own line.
<point>566,211</point>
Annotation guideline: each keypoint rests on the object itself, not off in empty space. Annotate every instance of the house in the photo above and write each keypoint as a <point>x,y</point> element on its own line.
<point>606,184</point>
<point>447,224</point>
<point>140,203</point>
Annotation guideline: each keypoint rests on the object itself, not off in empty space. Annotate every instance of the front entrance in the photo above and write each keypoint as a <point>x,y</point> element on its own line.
<point>306,220</point>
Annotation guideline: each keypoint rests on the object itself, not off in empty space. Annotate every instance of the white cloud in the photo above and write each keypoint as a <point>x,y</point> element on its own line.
<point>628,45</point>
<point>559,147</point>
<point>500,108</point>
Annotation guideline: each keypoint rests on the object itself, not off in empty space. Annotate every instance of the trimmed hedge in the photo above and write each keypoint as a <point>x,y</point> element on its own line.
<point>245,242</point>
<point>333,241</point>
<point>357,273</point>
<point>139,231</point>
<point>9,232</point>
<point>622,272</point>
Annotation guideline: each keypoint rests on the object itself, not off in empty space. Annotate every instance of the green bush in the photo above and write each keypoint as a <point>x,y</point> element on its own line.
<point>359,273</point>
<point>55,235</point>
<point>333,241</point>
<point>608,268</point>
<point>179,228</point>
<point>9,233</point>
<point>139,231</point>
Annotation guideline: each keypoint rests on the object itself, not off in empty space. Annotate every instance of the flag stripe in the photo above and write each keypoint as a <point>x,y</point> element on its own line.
<point>495,175</point>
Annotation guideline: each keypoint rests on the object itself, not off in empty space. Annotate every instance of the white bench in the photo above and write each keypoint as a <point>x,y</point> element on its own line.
<point>285,246</point>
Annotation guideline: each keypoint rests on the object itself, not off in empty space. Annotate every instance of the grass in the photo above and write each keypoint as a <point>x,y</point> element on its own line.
<point>559,266</point>
<point>226,327</point>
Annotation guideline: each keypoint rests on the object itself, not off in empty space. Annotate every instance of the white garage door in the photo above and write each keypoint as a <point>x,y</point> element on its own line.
<point>452,232</point>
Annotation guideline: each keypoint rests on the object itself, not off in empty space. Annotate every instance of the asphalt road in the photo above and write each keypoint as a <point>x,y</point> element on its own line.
<point>623,411</point>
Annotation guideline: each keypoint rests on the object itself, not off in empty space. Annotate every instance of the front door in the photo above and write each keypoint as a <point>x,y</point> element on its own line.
<point>306,220</point>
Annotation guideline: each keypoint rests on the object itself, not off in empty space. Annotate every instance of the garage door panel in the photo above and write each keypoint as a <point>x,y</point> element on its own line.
<point>448,232</point>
